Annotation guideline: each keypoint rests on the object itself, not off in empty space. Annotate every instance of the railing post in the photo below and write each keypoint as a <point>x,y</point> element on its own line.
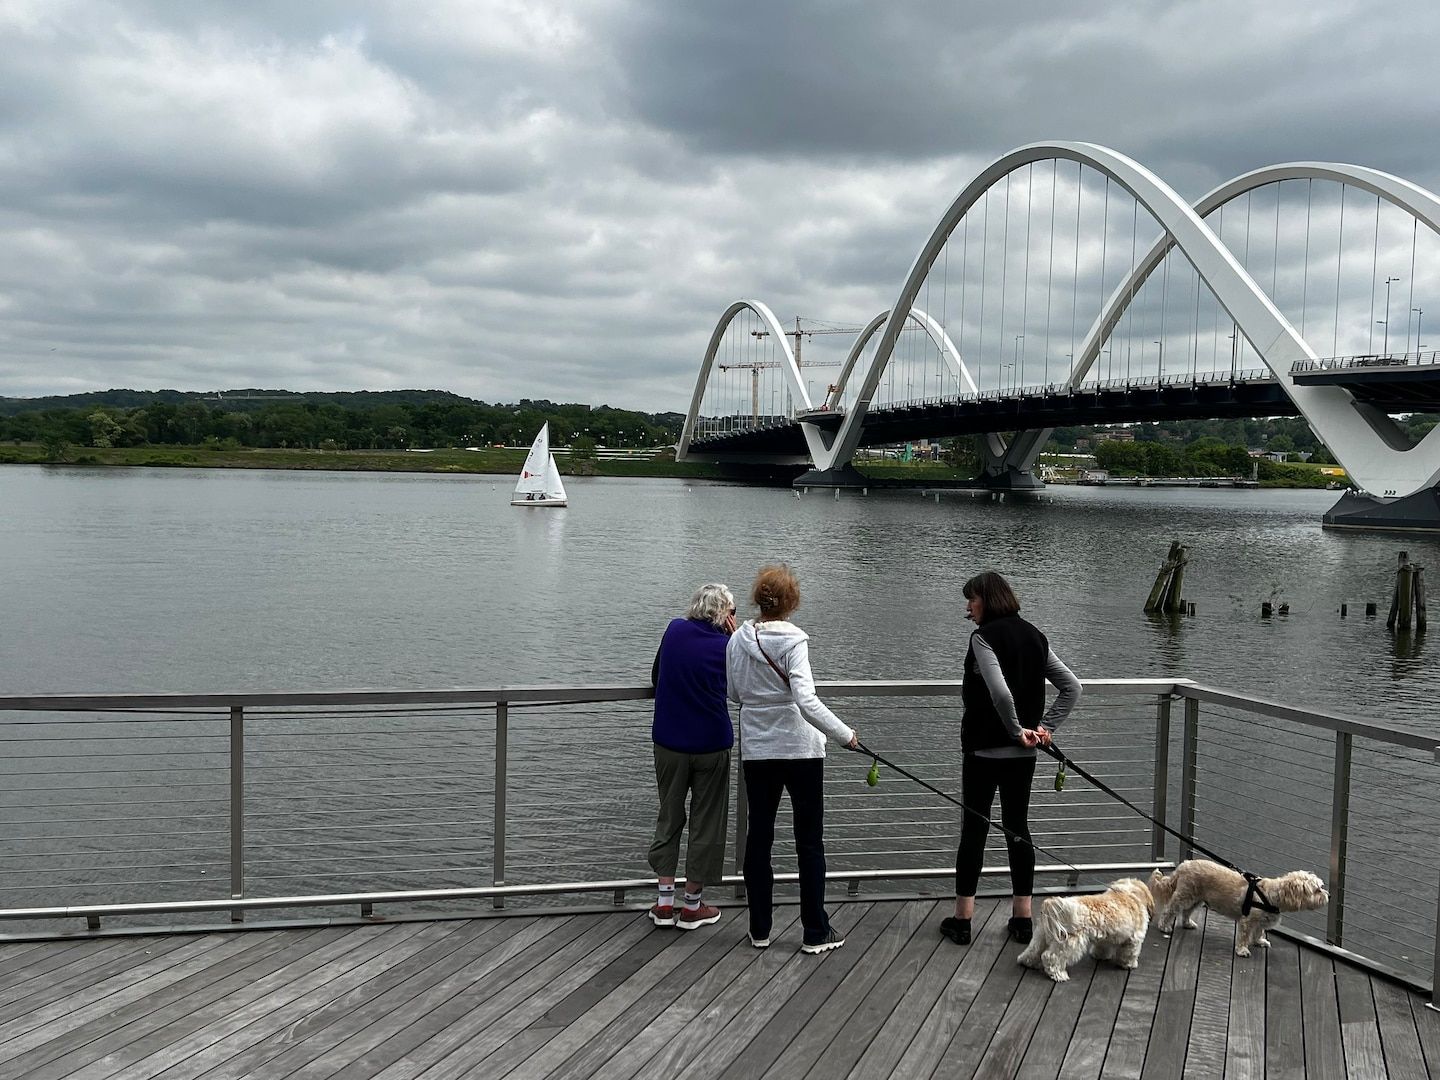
<point>237,810</point>
<point>502,756</point>
<point>1339,838</point>
<point>1187,775</point>
<point>1435,969</point>
<point>1162,778</point>
<point>742,816</point>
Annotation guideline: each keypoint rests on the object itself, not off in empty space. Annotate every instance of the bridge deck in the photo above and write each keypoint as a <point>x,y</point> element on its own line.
<point>607,995</point>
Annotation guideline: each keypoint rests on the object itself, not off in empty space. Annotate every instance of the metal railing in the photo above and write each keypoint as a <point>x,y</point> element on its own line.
<point>130,807</point>
<point>1426,358</point>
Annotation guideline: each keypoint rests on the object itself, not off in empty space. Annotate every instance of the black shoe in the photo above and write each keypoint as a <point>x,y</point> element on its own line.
<point>1022,930</point>
<point>957,930</point>
<point>831,940</point>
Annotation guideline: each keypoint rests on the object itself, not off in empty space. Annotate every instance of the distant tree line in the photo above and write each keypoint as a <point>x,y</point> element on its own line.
<point>303,422</point>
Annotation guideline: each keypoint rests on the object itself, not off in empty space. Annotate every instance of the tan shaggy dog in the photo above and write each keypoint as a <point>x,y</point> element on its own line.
<point>1199,881</point>
<point>1108,926</point>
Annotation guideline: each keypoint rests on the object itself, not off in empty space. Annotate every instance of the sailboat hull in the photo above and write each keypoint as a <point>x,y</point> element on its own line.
<point>539,502</point>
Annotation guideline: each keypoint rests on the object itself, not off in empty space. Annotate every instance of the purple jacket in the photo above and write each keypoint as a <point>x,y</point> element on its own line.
<point>691,715</point>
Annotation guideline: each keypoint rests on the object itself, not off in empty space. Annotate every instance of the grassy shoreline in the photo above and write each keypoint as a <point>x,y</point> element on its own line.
<point>492,461</point>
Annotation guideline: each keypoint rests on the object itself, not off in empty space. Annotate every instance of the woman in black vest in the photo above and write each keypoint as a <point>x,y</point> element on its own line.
<point>1005,719</point>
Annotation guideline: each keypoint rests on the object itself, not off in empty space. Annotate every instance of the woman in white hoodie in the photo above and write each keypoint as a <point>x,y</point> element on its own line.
<point>782,748</point>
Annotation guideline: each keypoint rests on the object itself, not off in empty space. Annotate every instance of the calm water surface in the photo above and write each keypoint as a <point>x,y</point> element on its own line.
<point>194,580</point>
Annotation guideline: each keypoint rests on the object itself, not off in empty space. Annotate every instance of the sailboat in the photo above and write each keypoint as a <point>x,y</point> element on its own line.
<point>539,483</point>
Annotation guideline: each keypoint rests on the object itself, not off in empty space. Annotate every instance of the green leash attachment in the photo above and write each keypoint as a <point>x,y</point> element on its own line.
<point>873,776</point>
<point>1060,777</point>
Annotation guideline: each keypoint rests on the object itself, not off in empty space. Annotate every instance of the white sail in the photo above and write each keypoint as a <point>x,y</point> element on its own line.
<point>532,474</point>
<point>539,483</point>
<point>554,489</point>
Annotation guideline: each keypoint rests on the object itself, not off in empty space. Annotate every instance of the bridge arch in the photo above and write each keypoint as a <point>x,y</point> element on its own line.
<point>1421,204</point>
<point>787,365</point>
<point>1370,452</point>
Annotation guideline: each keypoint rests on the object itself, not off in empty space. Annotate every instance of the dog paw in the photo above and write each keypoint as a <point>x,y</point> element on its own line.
<point>1241,950</point>
<point>1191,924</point>
<point>1263,943</point>
<point>1059,976</point>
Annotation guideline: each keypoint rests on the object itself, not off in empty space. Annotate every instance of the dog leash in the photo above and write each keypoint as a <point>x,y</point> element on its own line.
<point>861,748</point>
<point>1254,897</point>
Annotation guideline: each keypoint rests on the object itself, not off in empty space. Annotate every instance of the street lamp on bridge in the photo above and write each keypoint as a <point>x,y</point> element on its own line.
<point>1015,359</point>
<point>1385,346</point>
<point>1419,314</point>
<point>1160,363</point>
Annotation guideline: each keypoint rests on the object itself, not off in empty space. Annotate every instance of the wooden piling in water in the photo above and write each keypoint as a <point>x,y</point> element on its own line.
<point>1167,594</point>
<point>1407,602</point>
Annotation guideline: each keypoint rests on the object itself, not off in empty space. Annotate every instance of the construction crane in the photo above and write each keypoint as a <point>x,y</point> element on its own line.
<point>799,334</point>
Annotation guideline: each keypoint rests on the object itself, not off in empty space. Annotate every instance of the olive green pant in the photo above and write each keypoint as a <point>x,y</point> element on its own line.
<point>706,779</point>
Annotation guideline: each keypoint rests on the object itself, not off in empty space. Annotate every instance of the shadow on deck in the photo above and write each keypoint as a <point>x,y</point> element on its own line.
<point>608,995</point>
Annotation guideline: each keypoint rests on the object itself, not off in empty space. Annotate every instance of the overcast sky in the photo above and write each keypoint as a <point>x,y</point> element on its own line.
<point>516,198</point>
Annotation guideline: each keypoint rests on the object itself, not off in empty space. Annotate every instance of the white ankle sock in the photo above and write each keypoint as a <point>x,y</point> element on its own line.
<point>667,895</point>
<point>692,901</point>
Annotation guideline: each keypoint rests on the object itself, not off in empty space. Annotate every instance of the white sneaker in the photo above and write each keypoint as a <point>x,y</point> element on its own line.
<point>759,942</point>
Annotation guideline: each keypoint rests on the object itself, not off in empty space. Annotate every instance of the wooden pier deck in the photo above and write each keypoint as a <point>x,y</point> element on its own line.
<point>608,995</point>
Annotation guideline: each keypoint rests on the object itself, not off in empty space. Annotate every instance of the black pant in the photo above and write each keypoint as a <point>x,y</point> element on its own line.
<point>980,779</point>
<point>804,778</point>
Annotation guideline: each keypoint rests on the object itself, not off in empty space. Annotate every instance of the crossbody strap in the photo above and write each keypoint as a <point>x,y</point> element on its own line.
<point>783,677</point>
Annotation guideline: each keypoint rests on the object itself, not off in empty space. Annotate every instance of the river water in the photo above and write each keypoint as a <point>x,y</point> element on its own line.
<point>193,580</point>
<point>120,580</point>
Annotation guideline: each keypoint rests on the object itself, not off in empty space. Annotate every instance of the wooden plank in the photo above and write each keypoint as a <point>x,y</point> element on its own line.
<point>1085,1057</point>
<point>1245,1039</point>
<point>734,969</point>
<point>200,1035</point>
<point>803,1029</point>
<point>1210,1017</point>
<point>743,1007</point>
<point>255,955</point>
<point>967,1047</point>
<point>101,982</point>
<point>788,998</point>
<point>867,998</point>
<point>294,1047</point>
<point>1319,1007</point>
<point>571,1023</point>
<point>1359,1026</point>
<point>1046,1052</point>
<point>458,1008</point>
<point>1284,1020</point>
<point>18,963</point>
<point>1174,1008</point>
<point>1427,1026</point>
<point>939,965</point>
<point>1012,1038</point>
<point>957,999</point>
<point>679,994</point>
<point>1398,1035</point>
<point>59,965</point>
<point>480,1032</point>
<point>1130,1039</point>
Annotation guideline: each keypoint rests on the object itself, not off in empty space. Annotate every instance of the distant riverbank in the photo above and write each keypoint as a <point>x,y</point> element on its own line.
<point>491,460</point>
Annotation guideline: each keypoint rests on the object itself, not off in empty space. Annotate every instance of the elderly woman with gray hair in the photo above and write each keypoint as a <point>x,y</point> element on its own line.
<point>693,736</point>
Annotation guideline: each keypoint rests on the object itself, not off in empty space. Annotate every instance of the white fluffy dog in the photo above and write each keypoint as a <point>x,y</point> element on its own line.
<point>1199,881</point>
<point>1108,926</point>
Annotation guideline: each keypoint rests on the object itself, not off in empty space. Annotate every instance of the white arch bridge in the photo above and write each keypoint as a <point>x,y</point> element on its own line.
<point>1067,284</point>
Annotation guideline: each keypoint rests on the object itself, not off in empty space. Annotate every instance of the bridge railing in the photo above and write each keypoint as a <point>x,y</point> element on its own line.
<point>1428,358</point>
<point>130,811</point>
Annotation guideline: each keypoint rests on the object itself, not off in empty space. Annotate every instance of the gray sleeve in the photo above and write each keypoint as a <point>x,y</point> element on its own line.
<point>988,664</point>
<point>1064,680</point>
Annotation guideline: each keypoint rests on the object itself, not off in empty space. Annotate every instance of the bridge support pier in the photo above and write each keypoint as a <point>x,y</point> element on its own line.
<point>841,476</point>
<point>1419,512</point>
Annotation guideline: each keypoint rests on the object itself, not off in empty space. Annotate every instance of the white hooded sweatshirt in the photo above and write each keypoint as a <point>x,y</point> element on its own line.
<point>778,721</point>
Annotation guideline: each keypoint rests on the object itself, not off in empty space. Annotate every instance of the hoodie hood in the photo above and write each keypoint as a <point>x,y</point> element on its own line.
<point>777,638</point>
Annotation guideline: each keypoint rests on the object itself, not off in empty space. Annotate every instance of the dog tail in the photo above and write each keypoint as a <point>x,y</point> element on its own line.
<point>1052,919</point>
<point>1162,887</point>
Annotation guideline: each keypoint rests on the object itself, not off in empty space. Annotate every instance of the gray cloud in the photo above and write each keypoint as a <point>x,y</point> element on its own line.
<point>517,199</point>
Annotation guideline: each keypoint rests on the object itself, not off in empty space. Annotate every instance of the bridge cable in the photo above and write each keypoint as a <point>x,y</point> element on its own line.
<point>1025,286</point>
<point>1410,301</point>
<point>1339,254</point>
<point>1050,266</point>
<point>1305,274</point>
<point>1374,274</point>
<point>1104,245</point>
<point>1075,276</point>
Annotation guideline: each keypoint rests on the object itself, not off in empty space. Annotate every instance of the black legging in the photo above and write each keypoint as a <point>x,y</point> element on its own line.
<point>980,778</point>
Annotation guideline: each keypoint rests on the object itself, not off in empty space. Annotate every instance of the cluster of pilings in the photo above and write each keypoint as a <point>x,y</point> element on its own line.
<point>1407,605</point>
